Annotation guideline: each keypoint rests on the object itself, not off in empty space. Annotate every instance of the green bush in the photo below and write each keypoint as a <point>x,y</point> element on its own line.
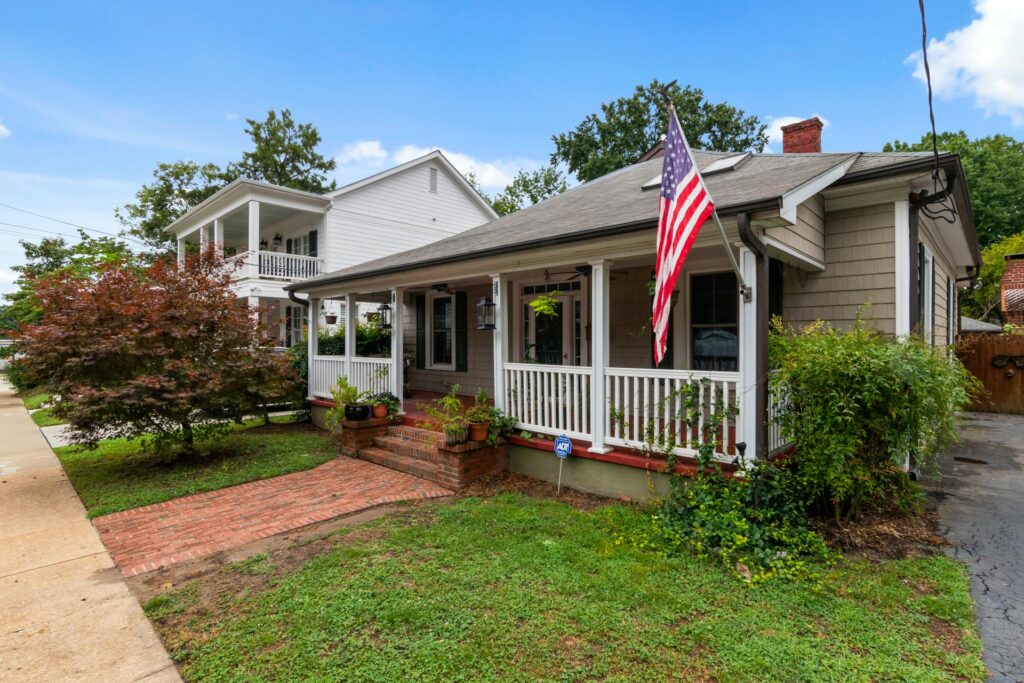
<point>857,405</point>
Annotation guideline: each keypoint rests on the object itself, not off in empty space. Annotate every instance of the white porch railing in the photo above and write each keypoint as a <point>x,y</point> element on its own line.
<point>646,402</point>
<point>550,399</point>
<point>288,266</point>
<point>366,374</point>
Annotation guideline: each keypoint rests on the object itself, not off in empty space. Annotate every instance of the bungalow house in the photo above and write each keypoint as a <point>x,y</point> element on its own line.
<point>282,236</point>
<point>818,236</point>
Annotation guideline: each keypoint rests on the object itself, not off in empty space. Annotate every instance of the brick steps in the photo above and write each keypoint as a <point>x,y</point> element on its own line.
<point>403,463</point>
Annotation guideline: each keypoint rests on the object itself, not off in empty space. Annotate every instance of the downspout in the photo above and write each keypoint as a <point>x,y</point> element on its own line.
<point>760,250</point>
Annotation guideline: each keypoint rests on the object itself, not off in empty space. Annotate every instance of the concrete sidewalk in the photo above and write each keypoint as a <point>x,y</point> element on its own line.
<point>66,614</point>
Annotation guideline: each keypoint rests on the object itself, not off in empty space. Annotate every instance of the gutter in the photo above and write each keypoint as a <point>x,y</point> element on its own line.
<point>754,243</point>
<point>622,228</point>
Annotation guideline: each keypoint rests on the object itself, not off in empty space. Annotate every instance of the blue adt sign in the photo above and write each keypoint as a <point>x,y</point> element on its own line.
<point>563,447</point>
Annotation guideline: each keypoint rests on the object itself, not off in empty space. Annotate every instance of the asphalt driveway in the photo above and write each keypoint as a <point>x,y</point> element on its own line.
<point>981,510</point>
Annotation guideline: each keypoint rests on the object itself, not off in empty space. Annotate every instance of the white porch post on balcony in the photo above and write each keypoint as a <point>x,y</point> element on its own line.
<point>254,238</point>
<point>499,285</point>
<point>747,422</point>
<point>181,251</point>
<point>218,237</point>
<point>397,346</point>
<point>312,338</point>
<point>350,333</point>
<point>600,279</point>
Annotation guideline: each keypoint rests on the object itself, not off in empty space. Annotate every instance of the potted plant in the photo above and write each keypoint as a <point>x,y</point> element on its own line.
<point>385,404</point>
<point>446,413</point>
<point>480,416</point>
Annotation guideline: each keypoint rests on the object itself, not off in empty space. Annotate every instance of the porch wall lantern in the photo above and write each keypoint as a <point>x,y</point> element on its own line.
<point>384,316</point>
<point>485,314</point>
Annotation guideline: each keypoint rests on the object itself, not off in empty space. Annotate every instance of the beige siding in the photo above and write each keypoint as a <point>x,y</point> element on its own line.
<point>860,266</point>
<point>808,235</point>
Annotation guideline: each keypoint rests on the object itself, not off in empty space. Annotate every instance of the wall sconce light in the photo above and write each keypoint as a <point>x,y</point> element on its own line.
<point>486,312</point>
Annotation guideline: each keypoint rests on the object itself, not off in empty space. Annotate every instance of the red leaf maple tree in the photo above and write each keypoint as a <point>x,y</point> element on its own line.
<point>159,351</point>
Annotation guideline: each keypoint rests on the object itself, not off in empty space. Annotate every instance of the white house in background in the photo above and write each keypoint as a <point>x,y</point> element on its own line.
<point>283,236</point>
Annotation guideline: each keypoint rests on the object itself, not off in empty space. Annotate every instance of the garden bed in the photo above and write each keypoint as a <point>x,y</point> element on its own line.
<point>516,586</point>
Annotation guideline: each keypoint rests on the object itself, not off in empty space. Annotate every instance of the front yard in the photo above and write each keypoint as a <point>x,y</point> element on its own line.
<point>512,587</point>
<point>120,475</point>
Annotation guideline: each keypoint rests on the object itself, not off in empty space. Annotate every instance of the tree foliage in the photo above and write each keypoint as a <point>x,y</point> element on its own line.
<point>624,129</point>
<point>984,299</point>
<point>528,188</point>
<point>995,174</point>
<point>284,153</point>
<point>156,351</point>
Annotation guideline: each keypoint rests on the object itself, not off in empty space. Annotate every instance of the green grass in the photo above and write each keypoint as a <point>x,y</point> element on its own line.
<point>35,398</point>
<point>46,418</point>
<point>517,589</point>
<point>120,476</point>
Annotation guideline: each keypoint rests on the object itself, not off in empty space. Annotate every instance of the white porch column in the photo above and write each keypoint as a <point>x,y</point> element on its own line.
<point>398,346</point>
<point>218,237</point>
<point>600,279</point>
<point>747,421</point>
<point>350,333</point>
<point>313,336</point>
<point>181,252</point>
<point>254,238</point>
<point>499,285</point>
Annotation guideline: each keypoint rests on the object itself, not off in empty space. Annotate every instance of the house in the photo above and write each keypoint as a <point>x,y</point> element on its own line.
<point>282,236</point>
<point>818,236</point>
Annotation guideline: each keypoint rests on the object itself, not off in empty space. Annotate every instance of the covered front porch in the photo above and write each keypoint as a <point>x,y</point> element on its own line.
<point>566,348</point>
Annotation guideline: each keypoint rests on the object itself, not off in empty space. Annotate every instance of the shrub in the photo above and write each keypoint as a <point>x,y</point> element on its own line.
<point>858,405</point>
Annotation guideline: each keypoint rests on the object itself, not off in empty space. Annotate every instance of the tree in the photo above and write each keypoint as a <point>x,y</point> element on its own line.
<point>55,255</point>
<point>284,153</point>
<point>178,187</point>
<point>995,174</point>
<point>159,351</point>
<point>528,188</point>
<point>983,301</point>
<point>626,128</point>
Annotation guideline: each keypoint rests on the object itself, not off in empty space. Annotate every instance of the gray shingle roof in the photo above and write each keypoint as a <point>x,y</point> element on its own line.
<point>618,200</point>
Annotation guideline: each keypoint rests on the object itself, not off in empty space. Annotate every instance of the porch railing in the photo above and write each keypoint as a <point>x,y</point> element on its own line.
<point>366,374</point>
<point>288,266</point>
<point>649,404</point>
<point>550,399</point>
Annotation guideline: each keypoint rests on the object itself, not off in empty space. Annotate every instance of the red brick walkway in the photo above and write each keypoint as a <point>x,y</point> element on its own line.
<point>147,538</point>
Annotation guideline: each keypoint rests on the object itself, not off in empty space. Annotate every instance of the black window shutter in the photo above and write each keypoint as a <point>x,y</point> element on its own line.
<point>461,334</point>
<point>421,331</point>
<point>312,243</point>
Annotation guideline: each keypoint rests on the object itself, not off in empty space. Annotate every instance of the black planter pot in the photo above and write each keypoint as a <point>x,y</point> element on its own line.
<point>356,413</point>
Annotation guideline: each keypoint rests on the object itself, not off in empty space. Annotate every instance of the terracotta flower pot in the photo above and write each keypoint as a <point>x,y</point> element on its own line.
<point>380,410</point>
<point>478,431</point>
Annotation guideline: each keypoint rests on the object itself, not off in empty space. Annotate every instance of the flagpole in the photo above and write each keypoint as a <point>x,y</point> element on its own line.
<point>744,288</point>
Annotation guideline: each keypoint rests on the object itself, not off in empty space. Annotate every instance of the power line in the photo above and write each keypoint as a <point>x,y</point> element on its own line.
<point>58,220</point>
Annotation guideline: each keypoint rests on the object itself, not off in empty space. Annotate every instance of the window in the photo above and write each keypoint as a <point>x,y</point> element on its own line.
<point>442,331</point>
<point>714,321</point>
<point>432,181</point>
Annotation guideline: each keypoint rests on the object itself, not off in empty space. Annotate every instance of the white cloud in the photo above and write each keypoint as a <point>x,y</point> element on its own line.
<point>361,158</point>
<point>231,116</point>
<point>984,59</point>
<point>775,124</point>
<point>5,132</point>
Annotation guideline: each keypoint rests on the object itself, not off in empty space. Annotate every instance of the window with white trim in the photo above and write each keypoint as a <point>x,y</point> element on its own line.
<point>441,331</point>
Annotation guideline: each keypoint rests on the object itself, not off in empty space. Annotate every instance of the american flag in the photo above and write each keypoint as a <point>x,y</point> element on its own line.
<point>685,205</point>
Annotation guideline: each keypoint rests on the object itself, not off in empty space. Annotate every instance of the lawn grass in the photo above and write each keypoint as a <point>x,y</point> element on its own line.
<point>514,588</point>
<point>45,418</point>
<point>120,476</point>
<point>34,398</point>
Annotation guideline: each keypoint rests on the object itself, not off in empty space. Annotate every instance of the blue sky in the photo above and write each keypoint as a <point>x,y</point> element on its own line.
<point>94,95</point>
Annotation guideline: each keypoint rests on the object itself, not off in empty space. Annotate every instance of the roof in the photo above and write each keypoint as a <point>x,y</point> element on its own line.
<point>618,202</point>
<point>972,325</point>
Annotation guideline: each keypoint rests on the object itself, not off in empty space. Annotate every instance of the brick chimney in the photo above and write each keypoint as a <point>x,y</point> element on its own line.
<point>1013,290</point>
<point>802,137</point>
